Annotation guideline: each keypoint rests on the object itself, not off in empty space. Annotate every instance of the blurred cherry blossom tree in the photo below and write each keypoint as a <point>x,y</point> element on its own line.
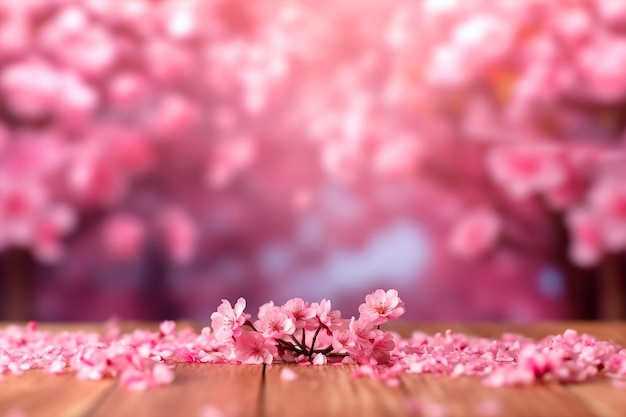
<point>536,120</point>
<point>184,131</point>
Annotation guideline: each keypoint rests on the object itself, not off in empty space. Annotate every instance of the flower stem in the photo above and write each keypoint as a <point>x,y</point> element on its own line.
<point>300,345</point>
<point>312,350</point>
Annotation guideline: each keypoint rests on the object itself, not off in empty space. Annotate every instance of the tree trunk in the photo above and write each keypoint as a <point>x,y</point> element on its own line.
<point>612,288</point>
<point>17,268</point>
<point>581,284</point>
<point>581,292</point>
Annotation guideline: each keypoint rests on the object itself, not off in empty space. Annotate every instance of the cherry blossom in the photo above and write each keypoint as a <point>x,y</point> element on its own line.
<point>273,322</point>
<point>143,359</point>
<point>49,230</point>
<point>180,235</point>
<point>211,411</point>
<point>526,169</point>
<point>324,314</point>
<point>30,87</point>
<point>137,380</point>
<point>606,82</point>
<point>253,348</point>
<point>608,199</point>
<point>123,236</point>
<point>300,312</point>
<point>288,375</point>
<point>126,89</point>
<point>227,321</point>
<point>588,238</point>
<point>223,123</point>
<point>475,233</point>
<point>381,306</point>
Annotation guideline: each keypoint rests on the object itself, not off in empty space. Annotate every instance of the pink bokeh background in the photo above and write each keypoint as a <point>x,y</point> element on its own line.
<point>158,156</point>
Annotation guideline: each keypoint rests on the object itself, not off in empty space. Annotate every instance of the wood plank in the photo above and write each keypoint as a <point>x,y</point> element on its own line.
<point>600,396</point>
<point>38,394</point>
<point>467,397</point>
<point>329,391</point>
<point>234,389</point>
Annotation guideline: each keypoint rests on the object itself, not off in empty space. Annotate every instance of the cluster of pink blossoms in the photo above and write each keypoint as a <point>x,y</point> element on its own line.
<point>304,332</point>
<point>309,333</point>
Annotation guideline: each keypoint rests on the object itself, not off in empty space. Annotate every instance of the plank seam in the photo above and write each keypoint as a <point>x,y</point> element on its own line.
<point>261,406</point>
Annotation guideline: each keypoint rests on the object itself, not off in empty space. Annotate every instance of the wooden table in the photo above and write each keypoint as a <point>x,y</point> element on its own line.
<point>319,391</point>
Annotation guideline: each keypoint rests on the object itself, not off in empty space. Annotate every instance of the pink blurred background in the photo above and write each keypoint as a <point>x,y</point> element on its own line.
<point>157,156</point>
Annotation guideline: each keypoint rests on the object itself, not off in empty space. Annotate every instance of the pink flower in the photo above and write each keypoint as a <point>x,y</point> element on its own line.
<point>131,150</point>
<point>180,234</point>
<point>92,53</point>
<point>167,328</point>
<point>93,180</point>
<point>126,89</point>
<point>229,159</point>
<point>340,161</point>
<point>319,359</point>
<point>273,322</point>
<point>442,68</point>
<point>48,232</point>
<point>253,349</point>
<point>587,240</point>
<point>181,22</point>
<point>359,337</point>
<point>15,35</point>
<point>123,236</point>
<point>91,363</point>
<point>288,375</point>
<point>608,200</point>
<point>381,306</point>
<point>379,351</point>
<point>68,22</point>
<point>489,407</point>
<point>15,413</point>
<point>30,88</point>
<point>174,116</point>
<point>526,169</point>
<point>211,411</point>
<point>434,409</point>
<point>398,157</point>
<point>228,320</point>
<point>471,35</point>
<point>612,11</point>
<point>601,63</point>
<point>475,233</point>
<point>142,379</point>
<point>574,24</point>
<point>78,100</point>
<point>325,315</point>
<point>539,362</point>
<point>300,312</point>
<point>166,61</point>
<point>540,80</point>
<point>21,205</point>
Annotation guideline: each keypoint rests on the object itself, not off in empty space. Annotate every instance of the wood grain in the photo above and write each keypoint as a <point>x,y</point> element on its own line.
<point>601,397</point>
<point>234,389</point>
<point>329,391</point>
<point>467,397</point>
<point>318,391</point>
<point>41,395</point>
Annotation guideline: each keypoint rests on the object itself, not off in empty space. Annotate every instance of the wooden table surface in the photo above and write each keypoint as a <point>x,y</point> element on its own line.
<point>324,391</point>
